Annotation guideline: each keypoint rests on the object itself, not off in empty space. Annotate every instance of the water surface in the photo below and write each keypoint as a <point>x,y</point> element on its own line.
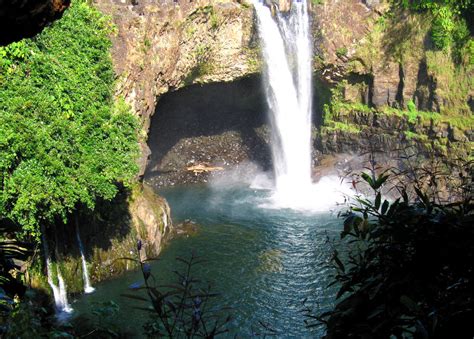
<point>263,262</point>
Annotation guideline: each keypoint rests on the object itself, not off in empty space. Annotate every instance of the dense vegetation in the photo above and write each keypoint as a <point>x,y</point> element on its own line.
<point>409,267</point>
<point>450,25</point>
<point>65,144</point>
<point>63,141</point>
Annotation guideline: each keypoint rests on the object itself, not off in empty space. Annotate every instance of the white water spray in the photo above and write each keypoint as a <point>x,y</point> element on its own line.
<point>85,273</point>
<point>59,291</point>
<point>287,54</point>
<point>164,219</point>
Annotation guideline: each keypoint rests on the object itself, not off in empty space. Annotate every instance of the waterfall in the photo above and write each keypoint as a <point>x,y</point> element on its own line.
<point>287,54</point>
<point>85,273</point>
<point>164,219</point>
<point>59,291</point>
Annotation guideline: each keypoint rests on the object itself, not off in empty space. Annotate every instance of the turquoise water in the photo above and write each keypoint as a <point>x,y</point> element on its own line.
<point>263,262</point>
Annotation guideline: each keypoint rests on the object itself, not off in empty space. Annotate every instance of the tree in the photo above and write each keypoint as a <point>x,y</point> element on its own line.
<point>63,140</point>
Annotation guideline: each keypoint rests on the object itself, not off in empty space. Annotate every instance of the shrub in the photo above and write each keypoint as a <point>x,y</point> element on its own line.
<point>408,270</point>
<point>181,309</point>
<point>62,144</point>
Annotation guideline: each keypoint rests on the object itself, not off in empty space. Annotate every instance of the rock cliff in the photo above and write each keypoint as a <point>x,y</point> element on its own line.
<point>383,56</point>
<point>109,234</point>
<point>371,61</point>
<point>162,46</point>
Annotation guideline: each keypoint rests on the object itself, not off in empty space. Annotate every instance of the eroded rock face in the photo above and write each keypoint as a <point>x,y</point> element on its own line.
<point>151,218</point>
<point>162,46</point>
<point>208,127</point>
<point>391,57</point>
<point>109,235</point>
<point>24,19</point>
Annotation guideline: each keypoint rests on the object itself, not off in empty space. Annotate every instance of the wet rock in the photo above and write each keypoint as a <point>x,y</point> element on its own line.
<point>150,215</point>
<point>187,228</point>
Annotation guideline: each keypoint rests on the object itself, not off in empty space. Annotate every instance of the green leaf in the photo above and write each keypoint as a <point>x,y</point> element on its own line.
<point>385,207</point>
<point>378,199</point>
<point>368,179</point>
<point>380,181</point>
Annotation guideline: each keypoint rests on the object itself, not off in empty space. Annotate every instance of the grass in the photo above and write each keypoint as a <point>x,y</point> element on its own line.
<point>416,136</point>
<point>341,126</point>
<point>454,83</point>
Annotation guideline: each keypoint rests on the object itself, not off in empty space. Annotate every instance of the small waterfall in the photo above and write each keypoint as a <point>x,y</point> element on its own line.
<point>164,219</point>
<point>286,49</point>
<point>59,292</point>
<point>85,273</point>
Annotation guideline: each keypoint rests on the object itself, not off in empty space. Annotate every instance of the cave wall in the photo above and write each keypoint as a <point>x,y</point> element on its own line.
<point>161,46</point>
<point>215,125</point>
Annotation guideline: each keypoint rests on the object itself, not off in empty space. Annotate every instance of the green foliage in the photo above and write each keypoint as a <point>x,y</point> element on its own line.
<point>449,27</point>
<point>457,5</point>
<point>215,20</point>
<point>341,126</point>
<point>408,269</point>
<point>179,310</point>
<point>341,52</point>
<point>411,106</point>
<point>12,54</point>
<point>443,27</point>
<point>62,144</point>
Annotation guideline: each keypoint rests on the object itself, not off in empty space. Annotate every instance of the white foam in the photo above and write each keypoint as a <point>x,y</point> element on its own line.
<point>325,195</point>
<point>287,54</point>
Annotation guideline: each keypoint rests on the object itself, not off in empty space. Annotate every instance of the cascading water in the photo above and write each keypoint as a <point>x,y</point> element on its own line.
<point>85,273</point>
<point>59,291</point>
<point>287,55</point>
<point>164,219</point>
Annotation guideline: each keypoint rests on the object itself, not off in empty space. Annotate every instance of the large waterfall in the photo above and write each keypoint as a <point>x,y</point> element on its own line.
<point>286,49</point>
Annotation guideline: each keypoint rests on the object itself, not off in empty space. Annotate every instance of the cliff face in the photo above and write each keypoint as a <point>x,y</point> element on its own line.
<point>383,56</point>
<point>371,61</point>
<point>162,46</point>
<point>388,83</point>
<point>109,235</point>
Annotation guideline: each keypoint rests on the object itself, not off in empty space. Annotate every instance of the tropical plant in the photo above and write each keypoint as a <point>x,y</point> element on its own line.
<point>12,253</point>
<point>180,310</point>
<point>63,141</point>
<point>408,270</point>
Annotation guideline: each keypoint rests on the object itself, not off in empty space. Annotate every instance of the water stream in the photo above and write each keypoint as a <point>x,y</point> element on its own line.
<point>85,273</point>
<point>262,262</point>
<point>59,291</point>
<point>287,55</point>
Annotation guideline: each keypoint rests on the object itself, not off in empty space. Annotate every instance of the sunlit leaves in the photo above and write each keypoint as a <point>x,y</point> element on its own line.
<point>62,141</point>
